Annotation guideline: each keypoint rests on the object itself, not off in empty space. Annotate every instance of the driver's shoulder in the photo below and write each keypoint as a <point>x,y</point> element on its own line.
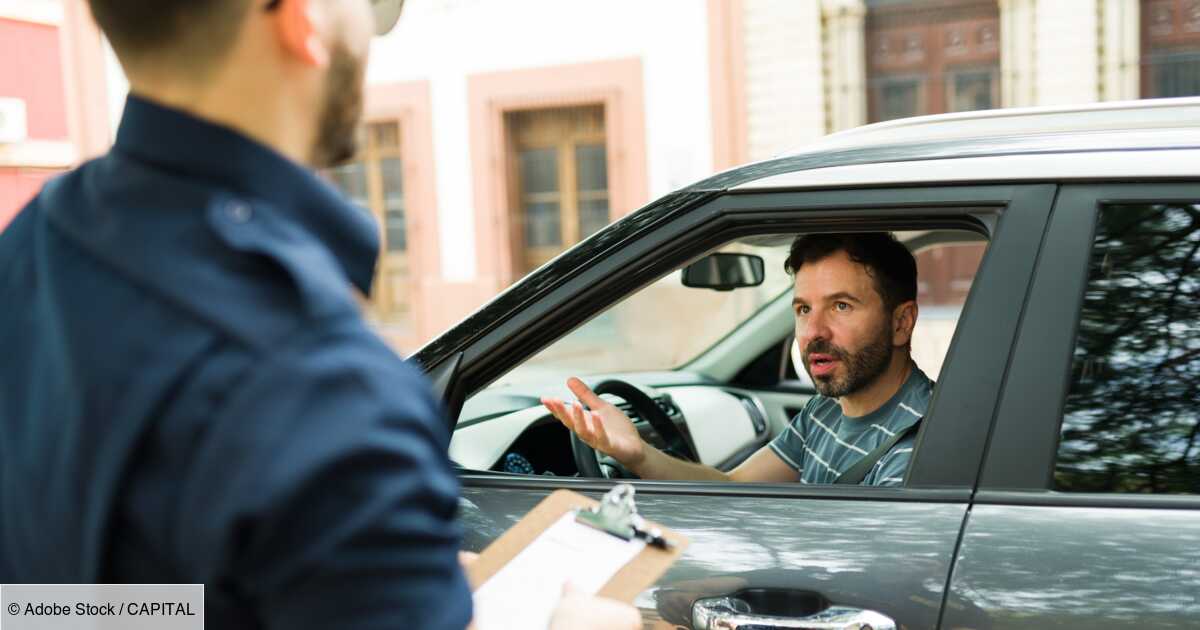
<point>920,387</point>
<point>914,398</point>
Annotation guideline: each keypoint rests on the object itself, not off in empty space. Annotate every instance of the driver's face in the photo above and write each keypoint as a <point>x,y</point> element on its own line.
<point>842,327</point>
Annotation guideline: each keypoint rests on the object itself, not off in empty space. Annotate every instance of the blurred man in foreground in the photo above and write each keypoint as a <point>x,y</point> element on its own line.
<point>190,392</point>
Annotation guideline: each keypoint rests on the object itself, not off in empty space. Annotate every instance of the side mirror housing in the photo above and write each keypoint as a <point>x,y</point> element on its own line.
<point>724,272</point>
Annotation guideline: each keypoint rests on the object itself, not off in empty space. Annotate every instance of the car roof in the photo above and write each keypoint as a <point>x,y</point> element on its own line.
<point>994,145</point>
<point>1168,113</point>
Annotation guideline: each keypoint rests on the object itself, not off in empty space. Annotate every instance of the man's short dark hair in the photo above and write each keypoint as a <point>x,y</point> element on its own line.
<point>188,33</point>
<point>888,261</point>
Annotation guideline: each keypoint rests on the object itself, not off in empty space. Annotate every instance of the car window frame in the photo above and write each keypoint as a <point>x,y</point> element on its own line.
<point>1023,448</point>
<point>949,458</point>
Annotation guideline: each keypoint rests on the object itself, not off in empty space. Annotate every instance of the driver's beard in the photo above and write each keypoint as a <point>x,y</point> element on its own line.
<point>341,111</point>
<point>862,368</point>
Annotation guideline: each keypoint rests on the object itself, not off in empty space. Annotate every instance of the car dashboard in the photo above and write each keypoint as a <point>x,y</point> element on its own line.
<point>506,429</point>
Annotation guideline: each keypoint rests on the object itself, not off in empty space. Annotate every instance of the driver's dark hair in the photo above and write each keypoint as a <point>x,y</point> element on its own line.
<point>183,33</point>
<point>887,260</point>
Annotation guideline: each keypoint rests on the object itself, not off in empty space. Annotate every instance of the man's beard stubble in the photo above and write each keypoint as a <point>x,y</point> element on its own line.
<point>337,141</point>
<point>862,367</point>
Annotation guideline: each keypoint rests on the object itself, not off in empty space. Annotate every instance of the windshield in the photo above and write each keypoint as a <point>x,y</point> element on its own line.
<point>661,327</point>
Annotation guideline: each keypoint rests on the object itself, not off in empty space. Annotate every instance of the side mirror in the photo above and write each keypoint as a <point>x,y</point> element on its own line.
<point>724,272</point>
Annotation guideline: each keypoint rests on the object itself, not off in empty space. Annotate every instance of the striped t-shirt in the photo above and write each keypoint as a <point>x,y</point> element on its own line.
<point>821,443</point>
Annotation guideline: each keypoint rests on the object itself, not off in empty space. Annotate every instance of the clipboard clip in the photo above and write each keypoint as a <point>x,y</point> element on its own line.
<point>617,515</point>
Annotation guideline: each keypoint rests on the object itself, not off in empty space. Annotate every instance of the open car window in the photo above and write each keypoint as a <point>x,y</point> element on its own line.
<point>719,360</point>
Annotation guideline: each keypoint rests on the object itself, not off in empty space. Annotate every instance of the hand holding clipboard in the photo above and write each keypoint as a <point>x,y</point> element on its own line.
<point>604,549</point>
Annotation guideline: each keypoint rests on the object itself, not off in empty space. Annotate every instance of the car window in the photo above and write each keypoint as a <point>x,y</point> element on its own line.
<point>653,336</point>
<point>639,335</point>
<point>1131,419</point>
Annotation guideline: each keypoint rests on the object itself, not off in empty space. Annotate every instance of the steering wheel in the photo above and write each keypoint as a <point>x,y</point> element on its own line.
<point>587,460</point>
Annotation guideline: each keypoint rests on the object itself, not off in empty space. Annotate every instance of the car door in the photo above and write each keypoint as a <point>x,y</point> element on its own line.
<point>1088,510</point>
<point>786,551</point>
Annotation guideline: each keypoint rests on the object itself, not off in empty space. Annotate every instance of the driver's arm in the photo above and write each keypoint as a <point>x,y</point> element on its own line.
<point>764,467</point>
<point>605,428</point>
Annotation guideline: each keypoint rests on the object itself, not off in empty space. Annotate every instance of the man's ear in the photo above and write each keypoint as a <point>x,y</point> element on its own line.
<point>904,319</point>
<point>298,33</point>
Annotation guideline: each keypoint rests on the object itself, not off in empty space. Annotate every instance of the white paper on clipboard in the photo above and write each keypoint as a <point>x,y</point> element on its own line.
<point>524,593</point>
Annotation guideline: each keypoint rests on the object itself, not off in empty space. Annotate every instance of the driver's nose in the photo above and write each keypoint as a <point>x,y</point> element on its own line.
<point>811,327</point>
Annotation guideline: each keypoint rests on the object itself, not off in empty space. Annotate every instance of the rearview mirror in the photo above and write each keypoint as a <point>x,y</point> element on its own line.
<point>724,272</point>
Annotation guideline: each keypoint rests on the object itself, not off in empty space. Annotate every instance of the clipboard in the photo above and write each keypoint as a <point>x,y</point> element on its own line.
<point>631,579</point>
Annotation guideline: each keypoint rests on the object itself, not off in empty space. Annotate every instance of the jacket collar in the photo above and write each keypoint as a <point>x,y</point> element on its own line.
<point>177,141</point>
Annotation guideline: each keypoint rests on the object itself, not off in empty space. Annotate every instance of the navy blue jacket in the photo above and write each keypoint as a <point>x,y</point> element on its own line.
<point>189,394</point>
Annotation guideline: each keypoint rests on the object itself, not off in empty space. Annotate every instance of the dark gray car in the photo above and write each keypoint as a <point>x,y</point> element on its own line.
<point>1056,477</point>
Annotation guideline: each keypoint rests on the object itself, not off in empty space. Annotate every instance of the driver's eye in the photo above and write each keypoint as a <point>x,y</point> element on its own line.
<point>842,306</point>
<point>802,310</point>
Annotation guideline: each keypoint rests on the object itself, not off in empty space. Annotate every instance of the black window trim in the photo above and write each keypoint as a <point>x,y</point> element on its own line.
<point>1025,207</point>
<point>1021,455</point>
<point>507,481</point>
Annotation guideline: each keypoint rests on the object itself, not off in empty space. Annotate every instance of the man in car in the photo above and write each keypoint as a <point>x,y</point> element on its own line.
<point>191,394</point>
<point>855,306</point>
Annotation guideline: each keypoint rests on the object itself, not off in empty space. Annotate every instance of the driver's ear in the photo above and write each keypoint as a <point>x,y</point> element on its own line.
<point>904,319</point>
<point>296,24</point>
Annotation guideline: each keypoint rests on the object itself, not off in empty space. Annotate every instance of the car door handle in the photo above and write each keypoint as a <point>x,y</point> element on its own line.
<point>731,613</point>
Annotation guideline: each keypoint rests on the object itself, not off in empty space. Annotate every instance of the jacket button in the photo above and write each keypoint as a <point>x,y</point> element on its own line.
<point>239,211</point>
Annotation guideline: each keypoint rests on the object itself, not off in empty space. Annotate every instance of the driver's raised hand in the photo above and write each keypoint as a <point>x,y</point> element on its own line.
<point>604,428</point>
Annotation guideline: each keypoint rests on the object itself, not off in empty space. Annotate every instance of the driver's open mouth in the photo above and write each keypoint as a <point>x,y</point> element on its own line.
<point>821,364</point>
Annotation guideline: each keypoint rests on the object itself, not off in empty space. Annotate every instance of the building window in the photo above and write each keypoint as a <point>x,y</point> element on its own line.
<point>931,57</point>
<point>559,180</point>
<point>970,90</point>
<point>1170,48</point>
<point>375,182</point>
<point>900,97</point>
